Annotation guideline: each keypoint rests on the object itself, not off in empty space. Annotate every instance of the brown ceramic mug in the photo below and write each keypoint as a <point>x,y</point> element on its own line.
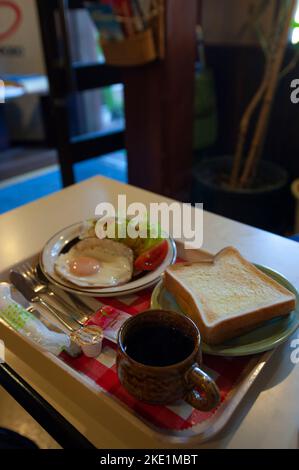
<point>158,360</point>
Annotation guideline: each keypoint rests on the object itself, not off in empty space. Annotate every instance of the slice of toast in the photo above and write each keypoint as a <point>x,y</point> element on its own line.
<point>227,296</point>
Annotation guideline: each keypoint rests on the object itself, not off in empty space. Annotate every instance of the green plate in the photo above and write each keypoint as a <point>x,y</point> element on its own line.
<point>261,339</point>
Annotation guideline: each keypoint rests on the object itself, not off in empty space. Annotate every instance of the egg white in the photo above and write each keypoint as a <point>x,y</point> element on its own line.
<point>115,259</point>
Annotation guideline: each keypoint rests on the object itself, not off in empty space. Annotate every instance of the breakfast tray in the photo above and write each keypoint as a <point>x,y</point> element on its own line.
<point>93,384</point>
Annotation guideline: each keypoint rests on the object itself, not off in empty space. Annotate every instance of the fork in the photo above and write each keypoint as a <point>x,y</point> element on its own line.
<point>81,306</point>
<point>40,287</point>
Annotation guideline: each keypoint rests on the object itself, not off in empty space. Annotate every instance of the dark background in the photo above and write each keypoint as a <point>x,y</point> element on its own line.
<point>238,71</point>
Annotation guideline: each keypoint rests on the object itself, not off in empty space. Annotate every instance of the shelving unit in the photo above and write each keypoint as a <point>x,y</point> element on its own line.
<point>158,101</point>
<point>67,78</point>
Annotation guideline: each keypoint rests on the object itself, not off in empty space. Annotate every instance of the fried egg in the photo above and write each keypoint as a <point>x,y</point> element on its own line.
<point>96,263</point>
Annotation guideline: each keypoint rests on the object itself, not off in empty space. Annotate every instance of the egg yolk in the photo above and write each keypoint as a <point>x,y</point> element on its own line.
<point>84,266</point>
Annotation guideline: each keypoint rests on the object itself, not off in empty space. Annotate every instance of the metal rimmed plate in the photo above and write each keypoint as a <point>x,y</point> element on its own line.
<point>261,339</point>
<point>62,241</point>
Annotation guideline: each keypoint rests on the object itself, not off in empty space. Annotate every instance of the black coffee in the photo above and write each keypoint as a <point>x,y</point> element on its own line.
<point>158,345</point>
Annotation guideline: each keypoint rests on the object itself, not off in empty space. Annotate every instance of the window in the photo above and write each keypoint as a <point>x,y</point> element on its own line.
<point>295,27</point>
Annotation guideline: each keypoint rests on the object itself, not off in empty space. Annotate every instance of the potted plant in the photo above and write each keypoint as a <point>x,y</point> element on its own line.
<point>245,187</point>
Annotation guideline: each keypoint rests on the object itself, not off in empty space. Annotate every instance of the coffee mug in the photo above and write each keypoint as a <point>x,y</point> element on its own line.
<point>158,360</point>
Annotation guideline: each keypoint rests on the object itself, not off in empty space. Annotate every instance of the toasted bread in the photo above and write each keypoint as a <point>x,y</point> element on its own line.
<point>227,296</point>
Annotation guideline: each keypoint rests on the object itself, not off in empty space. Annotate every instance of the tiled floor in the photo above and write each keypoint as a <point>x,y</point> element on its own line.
<point>14,417</point>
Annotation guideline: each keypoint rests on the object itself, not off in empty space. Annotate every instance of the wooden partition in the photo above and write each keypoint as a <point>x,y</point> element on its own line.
<point>159,109</point>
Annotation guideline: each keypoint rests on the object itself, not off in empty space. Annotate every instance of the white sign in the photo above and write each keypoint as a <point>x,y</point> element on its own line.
<point>20,42</point>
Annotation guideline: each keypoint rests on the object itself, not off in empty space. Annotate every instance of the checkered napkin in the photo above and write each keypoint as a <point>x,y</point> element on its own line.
<point>178,417</point>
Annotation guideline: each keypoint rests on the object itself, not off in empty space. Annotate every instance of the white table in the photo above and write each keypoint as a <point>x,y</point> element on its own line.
<point>269,415</point>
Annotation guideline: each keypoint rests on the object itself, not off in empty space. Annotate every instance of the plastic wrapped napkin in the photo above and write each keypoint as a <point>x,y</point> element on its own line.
<point>28,325</point>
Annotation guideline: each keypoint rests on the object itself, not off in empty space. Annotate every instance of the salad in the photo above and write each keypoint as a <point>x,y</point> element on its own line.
<point>149,251</point>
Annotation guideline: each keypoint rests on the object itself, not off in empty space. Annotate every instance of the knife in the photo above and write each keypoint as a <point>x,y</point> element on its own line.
<point>24,286</point>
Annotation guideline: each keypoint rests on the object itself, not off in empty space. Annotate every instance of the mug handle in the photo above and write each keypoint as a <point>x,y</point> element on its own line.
<point>209,395</point>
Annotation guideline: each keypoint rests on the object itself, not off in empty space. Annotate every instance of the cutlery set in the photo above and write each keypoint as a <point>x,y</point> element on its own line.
<point>34,286</point>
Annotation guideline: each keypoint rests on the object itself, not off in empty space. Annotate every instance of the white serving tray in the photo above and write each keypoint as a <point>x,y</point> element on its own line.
<point>106,409</point>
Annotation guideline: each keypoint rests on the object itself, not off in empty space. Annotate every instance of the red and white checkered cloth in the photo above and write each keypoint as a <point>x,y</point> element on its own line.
<point>178,417</point>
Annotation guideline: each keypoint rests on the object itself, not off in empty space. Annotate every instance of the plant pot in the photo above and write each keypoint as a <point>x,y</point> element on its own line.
<point>263,206</point>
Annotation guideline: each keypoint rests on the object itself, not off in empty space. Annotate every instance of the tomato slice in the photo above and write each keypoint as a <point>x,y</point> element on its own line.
<point>152,258</point>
